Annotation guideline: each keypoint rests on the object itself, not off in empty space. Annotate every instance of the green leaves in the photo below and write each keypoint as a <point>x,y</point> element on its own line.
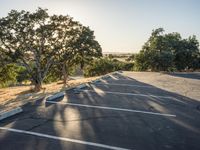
<point>86,47</point>
<point>102,66</point>
<point>165,51</point>
<point>9,74</point>
<point>39,42</point>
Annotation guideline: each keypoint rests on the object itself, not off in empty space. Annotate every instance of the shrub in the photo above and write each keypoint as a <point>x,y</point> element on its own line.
<point>104,65</point>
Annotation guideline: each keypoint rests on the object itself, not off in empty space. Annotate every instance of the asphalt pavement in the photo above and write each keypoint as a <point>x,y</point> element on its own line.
<point>118,112</point>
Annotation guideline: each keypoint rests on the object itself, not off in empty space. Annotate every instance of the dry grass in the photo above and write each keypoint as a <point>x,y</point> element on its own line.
<point>19,95</point>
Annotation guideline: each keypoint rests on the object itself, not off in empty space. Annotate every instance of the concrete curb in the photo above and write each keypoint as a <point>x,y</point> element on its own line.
<point>62,93</point>
<point>81,86</point>
<point>4,115</point>
<point>57,95</point>
<point>106,76</point>
<point>95,81</point>
<point>10,113</point>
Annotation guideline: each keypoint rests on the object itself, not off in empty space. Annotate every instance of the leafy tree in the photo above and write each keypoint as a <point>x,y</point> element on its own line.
<point>77,45</point>
<point>186,57</point>
<point>38,42</point>
<point>86,47</point>
<point>167,51</point>
<point>30,39</point>
<point>165,61</point>
<point>67,31</point>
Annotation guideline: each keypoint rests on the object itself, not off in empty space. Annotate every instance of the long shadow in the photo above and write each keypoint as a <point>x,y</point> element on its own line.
<point>44,118</point>
<point>28,120</point>
<point>36,117</point>
<point>116,128</point>
<point>22,98</point>
<point>192,75</point>
<point>138,130</point>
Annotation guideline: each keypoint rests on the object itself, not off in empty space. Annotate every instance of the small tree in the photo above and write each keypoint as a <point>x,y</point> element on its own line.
<point>68,32</point>
<point>86,47</point>
<point>77,45</point>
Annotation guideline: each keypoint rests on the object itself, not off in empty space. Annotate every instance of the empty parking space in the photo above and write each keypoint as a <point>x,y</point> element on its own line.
<point>131,88</point>
<point>105,115</point>
<point>144,103</point>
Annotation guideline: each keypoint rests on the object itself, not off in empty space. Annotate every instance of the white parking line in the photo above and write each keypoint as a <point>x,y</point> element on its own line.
<point>112,108</point>
<point>62,138</point>
<point>125,85</point>
<point>120,93</point>
<point>134,94</point>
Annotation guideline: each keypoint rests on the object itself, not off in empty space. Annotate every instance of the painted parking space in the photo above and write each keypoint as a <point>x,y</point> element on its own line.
<point>102,120</point>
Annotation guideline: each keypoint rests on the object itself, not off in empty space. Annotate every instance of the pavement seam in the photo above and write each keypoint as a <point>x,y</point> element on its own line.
<point>46,121</point>
<point>88,118</point>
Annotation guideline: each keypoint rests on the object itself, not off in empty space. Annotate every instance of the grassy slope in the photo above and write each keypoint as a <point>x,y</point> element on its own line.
<point>16,96</point>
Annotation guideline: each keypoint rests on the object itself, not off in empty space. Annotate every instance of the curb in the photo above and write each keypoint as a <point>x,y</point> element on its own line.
<point>106,76</point>
<point>57,95</point>
<point>81,86</point>
<point>97,80</point>
<point>10,113</point>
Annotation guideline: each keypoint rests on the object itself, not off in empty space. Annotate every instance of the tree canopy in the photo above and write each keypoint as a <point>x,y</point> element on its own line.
<point>164,52</point>
<point>38,41</point>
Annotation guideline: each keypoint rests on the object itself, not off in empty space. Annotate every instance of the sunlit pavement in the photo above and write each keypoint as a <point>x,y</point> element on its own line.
<point>119,112</point>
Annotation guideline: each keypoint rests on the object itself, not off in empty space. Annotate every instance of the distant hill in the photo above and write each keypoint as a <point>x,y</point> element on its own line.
<point>117,55</point>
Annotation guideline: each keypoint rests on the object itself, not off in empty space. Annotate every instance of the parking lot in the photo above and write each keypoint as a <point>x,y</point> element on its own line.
<point>116,112</point>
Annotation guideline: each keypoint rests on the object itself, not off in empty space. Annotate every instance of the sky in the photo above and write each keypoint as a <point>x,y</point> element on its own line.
<point>121,25</point>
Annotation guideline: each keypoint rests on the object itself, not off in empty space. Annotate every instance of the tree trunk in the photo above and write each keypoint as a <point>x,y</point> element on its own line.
<point>65,74</point>
<point>38,86</point>
<point>82,64</point>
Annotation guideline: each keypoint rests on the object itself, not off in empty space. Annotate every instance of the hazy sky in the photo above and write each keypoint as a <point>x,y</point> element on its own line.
<point>121,25</point>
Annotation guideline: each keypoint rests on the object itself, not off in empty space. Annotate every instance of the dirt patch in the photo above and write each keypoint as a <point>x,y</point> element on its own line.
<point>16,96</point>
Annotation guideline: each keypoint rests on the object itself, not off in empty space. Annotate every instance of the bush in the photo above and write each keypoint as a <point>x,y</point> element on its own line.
<point>104,65</point>
<point>128,67</point>
<point>8,75</point>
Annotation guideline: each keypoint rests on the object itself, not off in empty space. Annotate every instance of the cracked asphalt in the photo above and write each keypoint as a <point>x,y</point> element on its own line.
<point>115,128</point>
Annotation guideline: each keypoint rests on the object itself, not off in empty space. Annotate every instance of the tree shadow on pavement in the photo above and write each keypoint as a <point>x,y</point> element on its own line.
<point>192,75</point>
<point>111,127</point>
